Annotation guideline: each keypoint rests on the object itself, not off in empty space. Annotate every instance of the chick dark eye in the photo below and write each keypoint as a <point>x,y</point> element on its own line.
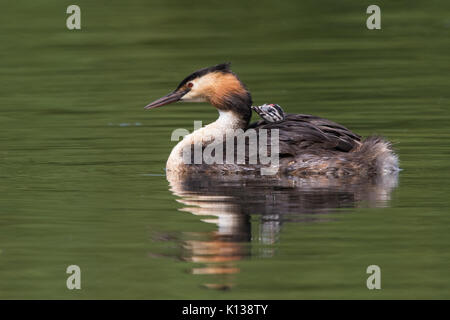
<point>190,84</point>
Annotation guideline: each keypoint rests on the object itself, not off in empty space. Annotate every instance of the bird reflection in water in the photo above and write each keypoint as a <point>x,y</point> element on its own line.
<point>234,203</point>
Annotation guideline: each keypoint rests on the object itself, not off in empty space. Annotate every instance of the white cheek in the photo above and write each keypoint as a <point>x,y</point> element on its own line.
<point>194,100</point>
<point>191,96</point>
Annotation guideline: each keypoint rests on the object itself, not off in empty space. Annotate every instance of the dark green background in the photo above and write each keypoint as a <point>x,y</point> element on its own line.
<point>81,163</point>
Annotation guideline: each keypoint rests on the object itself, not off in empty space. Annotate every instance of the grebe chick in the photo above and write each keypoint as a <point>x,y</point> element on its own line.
<point>308,145</point>
<point>270,112</point>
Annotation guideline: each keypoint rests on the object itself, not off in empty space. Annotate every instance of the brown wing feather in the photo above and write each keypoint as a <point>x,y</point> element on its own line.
<point>301,133</point>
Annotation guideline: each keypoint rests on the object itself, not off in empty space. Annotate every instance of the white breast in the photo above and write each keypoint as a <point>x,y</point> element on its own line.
<point>227,120</point>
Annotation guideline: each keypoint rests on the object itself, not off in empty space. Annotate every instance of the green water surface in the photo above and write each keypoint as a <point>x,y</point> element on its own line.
<point>82,164</point>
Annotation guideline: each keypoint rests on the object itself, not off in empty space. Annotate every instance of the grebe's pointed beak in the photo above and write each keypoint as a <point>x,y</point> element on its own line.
<point>170,98</point>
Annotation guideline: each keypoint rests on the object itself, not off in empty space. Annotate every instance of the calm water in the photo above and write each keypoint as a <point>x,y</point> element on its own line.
<point>82,164</point>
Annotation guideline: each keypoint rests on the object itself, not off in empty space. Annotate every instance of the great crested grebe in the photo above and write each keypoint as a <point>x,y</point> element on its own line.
<point>308,145</point>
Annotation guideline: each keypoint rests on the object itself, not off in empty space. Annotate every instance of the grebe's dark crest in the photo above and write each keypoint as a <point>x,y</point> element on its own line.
<point>308,145</point>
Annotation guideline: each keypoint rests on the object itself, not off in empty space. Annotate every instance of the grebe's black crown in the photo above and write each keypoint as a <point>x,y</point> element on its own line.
<point>222,67</point>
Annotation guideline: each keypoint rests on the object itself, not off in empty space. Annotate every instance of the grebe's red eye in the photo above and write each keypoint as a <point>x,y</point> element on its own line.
<point>190,84</point>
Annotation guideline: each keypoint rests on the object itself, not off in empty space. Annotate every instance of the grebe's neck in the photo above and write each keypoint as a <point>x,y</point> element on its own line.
<point>228,120</point>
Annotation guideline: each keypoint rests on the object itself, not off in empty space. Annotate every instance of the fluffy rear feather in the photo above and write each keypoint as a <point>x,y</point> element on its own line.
<point>373,156</point>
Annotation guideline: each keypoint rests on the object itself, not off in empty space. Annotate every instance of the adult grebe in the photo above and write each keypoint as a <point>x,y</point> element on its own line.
<point>308,145</point>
